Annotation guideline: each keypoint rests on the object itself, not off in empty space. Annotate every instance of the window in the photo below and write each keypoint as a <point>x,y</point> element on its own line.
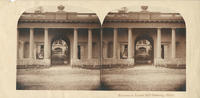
<point>123,51</point>
<point>39,51</point>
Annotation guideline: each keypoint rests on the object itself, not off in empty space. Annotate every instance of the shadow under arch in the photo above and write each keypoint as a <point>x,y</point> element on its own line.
<point>144,49</point>
<point>60,50</point>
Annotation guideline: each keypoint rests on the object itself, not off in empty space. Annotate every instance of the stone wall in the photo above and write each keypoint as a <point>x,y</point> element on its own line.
<point>33,63</point>
<point>86,63</point>
<point>110,61</point>
<point>170,62</point>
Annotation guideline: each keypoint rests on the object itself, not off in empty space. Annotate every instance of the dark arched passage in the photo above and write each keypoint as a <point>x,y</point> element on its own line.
<point>60,50</point>
<point>144,49</point>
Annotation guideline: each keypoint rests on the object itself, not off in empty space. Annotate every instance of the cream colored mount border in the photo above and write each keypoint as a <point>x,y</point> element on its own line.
<point>12,0</point>
<point>101,13</point>
<point>11,12</point>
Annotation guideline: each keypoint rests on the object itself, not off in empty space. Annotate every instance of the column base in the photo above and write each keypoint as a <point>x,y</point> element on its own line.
<point>159,62</point>
<point>87,63</point>
<point>175,62</point>
<point>118,62</point>
<point>32,63</point>
<point>131,61</point>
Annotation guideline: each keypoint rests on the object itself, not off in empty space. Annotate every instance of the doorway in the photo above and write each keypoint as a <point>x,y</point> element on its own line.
<point>60,51</point>
<point>144,50</point>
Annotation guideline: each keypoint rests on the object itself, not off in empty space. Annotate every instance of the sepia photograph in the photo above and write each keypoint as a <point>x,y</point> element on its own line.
<point>67,48</point>
<point>99,49</point>
<point>144,49</point>
<point>58,49</point>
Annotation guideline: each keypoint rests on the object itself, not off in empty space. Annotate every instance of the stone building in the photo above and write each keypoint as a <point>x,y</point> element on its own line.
<point>78,39</point>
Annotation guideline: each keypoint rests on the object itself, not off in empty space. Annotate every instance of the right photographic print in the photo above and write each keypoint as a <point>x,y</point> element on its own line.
<point>143,49</point>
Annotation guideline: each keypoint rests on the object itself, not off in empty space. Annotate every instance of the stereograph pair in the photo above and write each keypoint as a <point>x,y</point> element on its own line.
<point>69,49</point>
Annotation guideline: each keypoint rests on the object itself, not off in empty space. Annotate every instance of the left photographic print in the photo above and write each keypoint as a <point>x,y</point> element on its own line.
<point>58,48</point>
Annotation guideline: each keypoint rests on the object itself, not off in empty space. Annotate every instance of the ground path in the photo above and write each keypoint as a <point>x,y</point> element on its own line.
<point>139,78</point>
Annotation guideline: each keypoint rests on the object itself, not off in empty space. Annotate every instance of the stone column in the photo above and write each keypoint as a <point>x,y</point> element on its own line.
<point>158,43</point>
<point>46,43</point>
<point>173,43</point>
<point>130,48</point>
<point>75,51</point>
<point>31,43</point>
<point>115,43</point>
<point>21,52</point>
<point>89,44</point>
<point>18,44</point>
<point>105,53</point>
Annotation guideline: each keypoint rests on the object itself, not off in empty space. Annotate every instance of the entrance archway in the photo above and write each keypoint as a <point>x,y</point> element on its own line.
<point>144,50</point>
<point>60,50</point>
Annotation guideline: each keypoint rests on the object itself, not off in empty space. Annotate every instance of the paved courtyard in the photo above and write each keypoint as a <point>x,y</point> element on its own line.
<point>144,78</point>
<point>139,78</point>
<point>58,78</point>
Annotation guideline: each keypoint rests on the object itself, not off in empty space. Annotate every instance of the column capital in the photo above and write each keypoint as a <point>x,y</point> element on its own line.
<point>159,28</point>
<point>173,28</point>
<point>75,28</point>
<point>115,30</point>
<point>90,29</point>
<point>31,28</point>
<point>129,29</point>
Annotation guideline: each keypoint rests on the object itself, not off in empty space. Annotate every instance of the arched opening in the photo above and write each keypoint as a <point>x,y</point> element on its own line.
<point>144,50</point>
<point>60,50</point>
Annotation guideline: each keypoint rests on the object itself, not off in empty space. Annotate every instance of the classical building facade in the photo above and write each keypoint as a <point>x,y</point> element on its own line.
<point>78,39</point>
